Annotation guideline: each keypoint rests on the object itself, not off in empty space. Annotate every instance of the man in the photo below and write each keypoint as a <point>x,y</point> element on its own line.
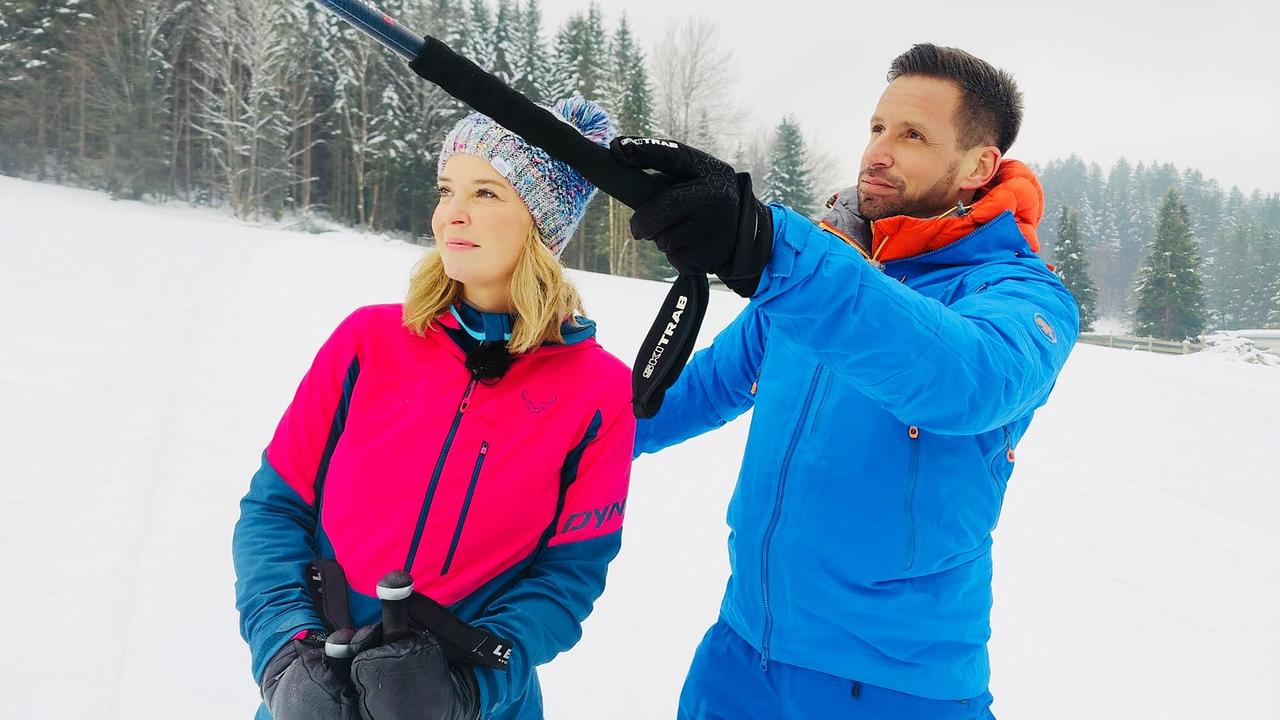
<point>893,355</point>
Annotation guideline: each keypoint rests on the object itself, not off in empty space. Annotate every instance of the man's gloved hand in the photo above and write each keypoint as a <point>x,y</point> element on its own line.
<point>300,683</point>
<point>410,679</point>
<point>708,220</point>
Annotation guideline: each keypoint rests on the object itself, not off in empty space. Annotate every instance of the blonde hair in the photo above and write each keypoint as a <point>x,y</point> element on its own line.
<point>541,295</point>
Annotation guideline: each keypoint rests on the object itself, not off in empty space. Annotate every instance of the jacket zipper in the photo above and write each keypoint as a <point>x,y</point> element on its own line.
<point>435,475</point>
<point>1007,450</point>
<point>466,506</point>
<point>773,521</point>
<point>913,471</point>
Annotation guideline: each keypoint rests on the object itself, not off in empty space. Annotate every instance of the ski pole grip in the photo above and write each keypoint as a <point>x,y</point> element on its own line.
<point>394,589</point>
<point>338,645</point>
<point>469,83</point>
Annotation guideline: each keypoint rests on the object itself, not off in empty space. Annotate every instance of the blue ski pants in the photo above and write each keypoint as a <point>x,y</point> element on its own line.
<point>725,682</point>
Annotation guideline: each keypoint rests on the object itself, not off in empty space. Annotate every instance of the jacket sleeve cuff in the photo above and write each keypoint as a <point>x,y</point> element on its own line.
<point>289,626</point>
<point>786,266</point>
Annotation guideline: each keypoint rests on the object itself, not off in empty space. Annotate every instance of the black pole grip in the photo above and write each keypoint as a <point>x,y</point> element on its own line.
<point>338,652</point>
<point>469,83</point>
<point>394,590</point>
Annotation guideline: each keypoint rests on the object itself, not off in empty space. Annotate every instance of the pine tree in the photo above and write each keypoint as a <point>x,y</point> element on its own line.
<point>1264,280</point>
<point>627,95</point>
<point>1121,238</point>
<point>594,45</point>
<point>579,67</point>
<point>439,19</point>
<point>531,66</point>
<point>505,32</point>
<point>1273,319</point>
<point>1170,290</point>
<point>477,35</point>
<point>1073,268</point>
<point>787,181</point>
<point>128,103</point>
<point>562,77</point>
<point>39,44</point>
<point>308,71</point>
<point>1231,276</point>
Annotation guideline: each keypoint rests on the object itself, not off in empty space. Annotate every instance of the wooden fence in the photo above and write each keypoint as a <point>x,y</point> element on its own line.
<point>1128,342</point>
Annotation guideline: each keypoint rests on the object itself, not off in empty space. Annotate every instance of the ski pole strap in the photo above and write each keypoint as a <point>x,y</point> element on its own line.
<point>669,343</point>
<point>328,585</point>
<point>461,640</point>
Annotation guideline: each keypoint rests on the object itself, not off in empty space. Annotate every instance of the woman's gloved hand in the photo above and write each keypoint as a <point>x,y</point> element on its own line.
<point>410,679</point>
<point>302,683</point>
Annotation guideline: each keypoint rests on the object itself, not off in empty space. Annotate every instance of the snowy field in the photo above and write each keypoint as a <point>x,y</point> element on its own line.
<point>146,354</point>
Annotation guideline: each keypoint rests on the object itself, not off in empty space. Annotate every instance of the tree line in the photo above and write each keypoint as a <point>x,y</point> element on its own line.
<point>271,107</point>
<point>1146,240</point>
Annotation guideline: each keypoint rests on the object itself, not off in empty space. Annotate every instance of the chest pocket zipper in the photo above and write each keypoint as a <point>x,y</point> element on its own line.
<point>913,471</point>
<point>1006,452</point>
<point>822,403</point>
<point>466,507</point>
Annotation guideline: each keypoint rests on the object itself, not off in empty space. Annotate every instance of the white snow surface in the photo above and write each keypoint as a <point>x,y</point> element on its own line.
<point>147,352</point>
<point>1236,346</point>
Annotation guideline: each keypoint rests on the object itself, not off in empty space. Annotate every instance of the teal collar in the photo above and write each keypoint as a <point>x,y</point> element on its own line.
<point>481,325</point>
<point>485,326</point>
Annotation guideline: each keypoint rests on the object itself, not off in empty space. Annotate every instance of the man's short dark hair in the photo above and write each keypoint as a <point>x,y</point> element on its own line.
<point>990,111</point>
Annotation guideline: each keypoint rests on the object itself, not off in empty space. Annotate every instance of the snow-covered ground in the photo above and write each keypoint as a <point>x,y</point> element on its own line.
<point>147,352</point>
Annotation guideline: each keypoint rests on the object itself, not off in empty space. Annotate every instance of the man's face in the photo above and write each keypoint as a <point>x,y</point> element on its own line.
<point>912,164</point>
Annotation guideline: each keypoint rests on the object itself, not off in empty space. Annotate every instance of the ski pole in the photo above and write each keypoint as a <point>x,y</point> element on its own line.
<point>379,25</point>
<point>338,651</point>
<point>675,329</point>
<point>393,590</point>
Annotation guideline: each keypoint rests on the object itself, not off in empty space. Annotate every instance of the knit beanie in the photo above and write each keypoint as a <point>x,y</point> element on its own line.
<point>556,194</point>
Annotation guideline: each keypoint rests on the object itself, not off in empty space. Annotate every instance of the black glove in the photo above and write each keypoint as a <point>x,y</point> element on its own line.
<point>411,679</point>
<point>300,683</point>
<point>708,220</point>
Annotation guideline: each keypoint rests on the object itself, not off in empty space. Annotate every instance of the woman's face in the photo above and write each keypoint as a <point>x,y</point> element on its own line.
<point>481,226</point>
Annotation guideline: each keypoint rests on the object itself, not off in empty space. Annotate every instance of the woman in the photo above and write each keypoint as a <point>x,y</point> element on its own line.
<point>476,437</point>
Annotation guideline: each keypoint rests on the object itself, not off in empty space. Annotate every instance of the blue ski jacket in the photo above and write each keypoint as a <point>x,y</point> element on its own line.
<point>887,406</point>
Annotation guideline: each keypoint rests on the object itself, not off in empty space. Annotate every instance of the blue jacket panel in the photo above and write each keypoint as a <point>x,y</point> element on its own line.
<point>886,409</point>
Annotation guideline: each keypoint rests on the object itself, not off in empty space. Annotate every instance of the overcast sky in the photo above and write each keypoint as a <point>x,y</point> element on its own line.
<point>1195,84</point>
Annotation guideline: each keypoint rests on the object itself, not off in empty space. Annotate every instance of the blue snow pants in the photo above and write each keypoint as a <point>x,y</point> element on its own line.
<point>725,682</point>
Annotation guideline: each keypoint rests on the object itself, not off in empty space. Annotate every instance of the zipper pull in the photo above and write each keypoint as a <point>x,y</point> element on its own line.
<point>913,432</point>
<point>466,399</point>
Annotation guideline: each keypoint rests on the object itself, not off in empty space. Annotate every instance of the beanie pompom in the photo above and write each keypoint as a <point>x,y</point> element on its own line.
<point>588,117</point>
